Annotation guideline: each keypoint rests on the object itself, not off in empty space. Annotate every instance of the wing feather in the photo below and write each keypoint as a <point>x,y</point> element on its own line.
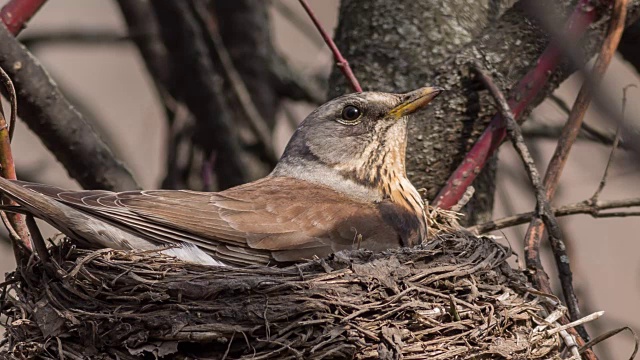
<point>281,219</point>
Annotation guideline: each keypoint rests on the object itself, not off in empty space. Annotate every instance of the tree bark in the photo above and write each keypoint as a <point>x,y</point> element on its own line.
<point>401,45</point>
<point>396,46</point>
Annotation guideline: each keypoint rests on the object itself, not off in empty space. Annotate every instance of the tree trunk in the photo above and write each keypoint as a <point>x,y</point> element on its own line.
<point>401,45</point>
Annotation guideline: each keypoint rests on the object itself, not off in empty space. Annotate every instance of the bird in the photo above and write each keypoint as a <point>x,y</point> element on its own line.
<point>340,184</point>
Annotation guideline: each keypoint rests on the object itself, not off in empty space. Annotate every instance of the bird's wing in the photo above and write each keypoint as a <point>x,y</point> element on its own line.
<point>281,219</point>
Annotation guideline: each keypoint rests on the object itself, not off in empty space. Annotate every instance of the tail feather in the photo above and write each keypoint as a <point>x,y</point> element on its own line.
<point>71,222</point>
<point>85,228</point>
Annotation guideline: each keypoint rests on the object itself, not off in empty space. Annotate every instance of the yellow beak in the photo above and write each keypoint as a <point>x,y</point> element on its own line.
<point>414,101</point>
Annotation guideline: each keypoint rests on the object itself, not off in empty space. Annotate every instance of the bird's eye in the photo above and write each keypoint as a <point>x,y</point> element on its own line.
<point>351,113</point>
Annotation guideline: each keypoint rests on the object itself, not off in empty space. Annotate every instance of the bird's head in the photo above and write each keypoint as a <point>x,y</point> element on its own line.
<point>359,136</point>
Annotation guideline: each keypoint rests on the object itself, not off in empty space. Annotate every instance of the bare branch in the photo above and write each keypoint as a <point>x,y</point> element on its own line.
<point>543,208</point>
<point>16,13</point>
<point>62,129</point>
<point>524,93</point>
<point>341,62</point>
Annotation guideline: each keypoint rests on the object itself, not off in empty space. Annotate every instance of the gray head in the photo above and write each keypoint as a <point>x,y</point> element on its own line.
<point>360,137</point>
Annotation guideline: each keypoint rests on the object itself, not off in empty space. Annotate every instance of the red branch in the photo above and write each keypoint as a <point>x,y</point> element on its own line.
<point>16,13</point>
<point>521,97</point>
<point>341,62</point>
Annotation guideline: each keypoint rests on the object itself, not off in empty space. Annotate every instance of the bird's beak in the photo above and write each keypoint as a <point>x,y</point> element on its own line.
<point>414,101</point>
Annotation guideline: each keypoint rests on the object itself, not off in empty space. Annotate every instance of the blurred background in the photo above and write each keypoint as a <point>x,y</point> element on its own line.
<point>110,80</point>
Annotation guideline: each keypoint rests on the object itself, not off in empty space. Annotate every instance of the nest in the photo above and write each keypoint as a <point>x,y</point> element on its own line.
<point>453,298</point>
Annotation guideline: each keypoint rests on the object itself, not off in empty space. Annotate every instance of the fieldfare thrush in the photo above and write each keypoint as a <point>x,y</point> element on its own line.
<point>340,184</point>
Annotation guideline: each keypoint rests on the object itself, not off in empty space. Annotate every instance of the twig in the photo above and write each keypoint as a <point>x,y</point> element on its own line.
<point>522,95</point>
<point>582,207</point>
<point>8,85</point>
<point>297,21</point>
<point>7,166</point>
<point>76,37</point>
<point>616,142</point>
<point>552,176</point>
<point>543,209</point>
<point>16,13</point>
<point>588,129</point>
<point>292,84</point>
<point>255,120</point>
<point>194,81</point>
<point>611,333</point>
<point>341,62</point>
<point>60,127</point>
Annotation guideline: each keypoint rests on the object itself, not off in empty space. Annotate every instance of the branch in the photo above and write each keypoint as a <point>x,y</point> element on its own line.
<point>547,131</point>
<point>15,223</point>
<point>297,21</point>
<point>16,13</point>
<point>543,209</point>
<point>60,127</point>
<point>585,127</point>
<point>568,137</point>
<point>341,62</point>
<point>523,95</point>
<point>293,85</point>
<point>256,121</point>
<point>194,81</point>
<point>75,37</point>
<point>595,209</point>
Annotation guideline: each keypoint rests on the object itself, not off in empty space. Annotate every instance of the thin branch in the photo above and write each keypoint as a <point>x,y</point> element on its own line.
<point>595,209</point>
<point>536,228</point>
<point>588,129</point>
<point>292,84</point>
<point>75,37</point>
<point>301,24</point>
<point>11,90</point>
<point>523,94</point>
<point>16,13</point>
<point>616,142</point>
<point>255,120</point>
<point>546,131</point>
<point>60,127</point>
<point>543,208</point>
<point>16,222</point>
<point>341,62</point>
<point>195,82</point>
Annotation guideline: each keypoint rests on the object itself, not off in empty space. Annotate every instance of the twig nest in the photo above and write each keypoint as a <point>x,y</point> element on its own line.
<point>453,298</point>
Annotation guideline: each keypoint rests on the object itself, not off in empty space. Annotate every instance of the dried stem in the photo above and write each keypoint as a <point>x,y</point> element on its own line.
<point>341,62</point>
<point>16,13</point>
<point>522,96</point>
<point>543,208</point>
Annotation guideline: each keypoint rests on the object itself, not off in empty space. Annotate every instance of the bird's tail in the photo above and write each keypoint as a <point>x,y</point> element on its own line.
<point>71,222</point>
